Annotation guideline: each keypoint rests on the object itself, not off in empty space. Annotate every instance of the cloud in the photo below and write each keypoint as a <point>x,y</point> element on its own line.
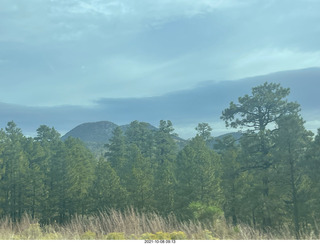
<point>185,108</point>
<point>313,125</point>
<point>273,60</point>
<point>74,52</point>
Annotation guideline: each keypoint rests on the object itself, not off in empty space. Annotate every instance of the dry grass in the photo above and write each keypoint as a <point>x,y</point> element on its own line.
<point>134,225</point>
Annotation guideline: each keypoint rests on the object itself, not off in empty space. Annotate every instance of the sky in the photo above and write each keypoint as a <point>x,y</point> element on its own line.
<point>93,60</point>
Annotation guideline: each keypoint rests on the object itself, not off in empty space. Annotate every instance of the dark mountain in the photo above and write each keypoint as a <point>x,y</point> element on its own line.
<point>92,132</point>
<point>235,135</point>
<point>96,134</point>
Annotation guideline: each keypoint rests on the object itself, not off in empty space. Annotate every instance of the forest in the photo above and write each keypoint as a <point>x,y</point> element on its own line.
<point>267,179</point>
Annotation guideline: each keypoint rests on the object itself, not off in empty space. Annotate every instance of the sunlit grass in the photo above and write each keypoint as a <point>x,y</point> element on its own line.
<point>132,225</point>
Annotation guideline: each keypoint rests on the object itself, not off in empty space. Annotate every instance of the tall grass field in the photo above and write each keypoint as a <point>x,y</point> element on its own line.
<point>132,225</point>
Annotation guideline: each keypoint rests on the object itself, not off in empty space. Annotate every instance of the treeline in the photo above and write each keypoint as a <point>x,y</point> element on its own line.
<point>267,179</point>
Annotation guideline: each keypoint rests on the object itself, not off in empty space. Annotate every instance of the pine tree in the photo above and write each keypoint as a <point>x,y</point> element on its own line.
<point>57,205</point>
<point>80,170</point>
<point>35,178</point>
<point>232,180</point>
<point>204,130</point>
<point>140,134</point>
<point>312,171</point>
<point>107,191</point>
<point>2,171</point>
<point>164,180</point>
<point>139,180</point>
<point>259,112</point>
<point>198,176</point>
<point>14,168</point>
<point>53,165</point>
<point>116,153</point>
<point>292,140</point>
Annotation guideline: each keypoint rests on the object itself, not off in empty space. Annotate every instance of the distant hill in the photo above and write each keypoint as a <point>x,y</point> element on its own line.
<point>97,131</point>
<point>92,132</point>
<point>235,135</point>
<point>96,134</point>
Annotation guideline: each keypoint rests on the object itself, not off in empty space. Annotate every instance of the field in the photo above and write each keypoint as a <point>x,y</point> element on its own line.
<point>131,225</point>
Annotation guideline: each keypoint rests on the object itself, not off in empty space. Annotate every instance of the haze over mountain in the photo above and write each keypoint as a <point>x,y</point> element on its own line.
<point>101,131</point>
<point>185,108</point>
<point>96,135</point>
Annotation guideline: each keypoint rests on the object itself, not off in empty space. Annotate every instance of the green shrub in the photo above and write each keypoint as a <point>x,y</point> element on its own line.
<point>115,236</point>
<point>203,212</point>
<point>33,232</point>
<point>52,236</point>
<point>89,235</point>
<point>148,236</point>
<point>203,235</point>
<point>236,229</point>
<point>162,236</point>
<point>178,235</point>
<point>134,237</point>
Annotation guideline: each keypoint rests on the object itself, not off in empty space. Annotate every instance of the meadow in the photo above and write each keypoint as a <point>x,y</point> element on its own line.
<point>132,225</point>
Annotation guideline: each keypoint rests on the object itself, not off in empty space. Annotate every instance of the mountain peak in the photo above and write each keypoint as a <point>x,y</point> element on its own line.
<point>92,131</point>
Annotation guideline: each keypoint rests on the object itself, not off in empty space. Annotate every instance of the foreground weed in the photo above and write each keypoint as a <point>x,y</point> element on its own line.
<point>88,235</point>
<point>148,236</point>
<point>115,236</point>
<point>204,235</point>
<point>133,225</point>
<point>33,232</point>
<point>178,235</point>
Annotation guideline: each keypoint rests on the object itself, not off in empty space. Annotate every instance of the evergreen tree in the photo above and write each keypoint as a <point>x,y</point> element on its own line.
<point>259,112</point>
<point>139,180</point>
<point>312,171</point>
<point>140,134</point>
<point>204,130</point>
<point>107,191</point>
<point>80,170</point>
<point>198,176</point>
<point>291,142</point>
<point>232,181</point>
<point>2,171</point>
<point>54,167</point>
<point>116,153</point>
<point>14,168</point>
<point>35,178</point>
<point>164,180</point>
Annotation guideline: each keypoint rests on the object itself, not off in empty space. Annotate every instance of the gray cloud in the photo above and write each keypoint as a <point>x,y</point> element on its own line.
<point>73,52</point>
<point>185,108</point>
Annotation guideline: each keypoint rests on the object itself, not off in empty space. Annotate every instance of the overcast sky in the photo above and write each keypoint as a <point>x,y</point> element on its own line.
<point>75,53</point>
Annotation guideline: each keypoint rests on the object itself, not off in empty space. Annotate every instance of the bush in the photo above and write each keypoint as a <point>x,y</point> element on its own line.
<point>203,235</point>
<point>52,236</point>
<point>89,235</point>
<point>178,235</point>
<point>203,212</point>
<point>162,236</point>
<point>33,232</point>
<point>148,236</point>
<point>115,236</point>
